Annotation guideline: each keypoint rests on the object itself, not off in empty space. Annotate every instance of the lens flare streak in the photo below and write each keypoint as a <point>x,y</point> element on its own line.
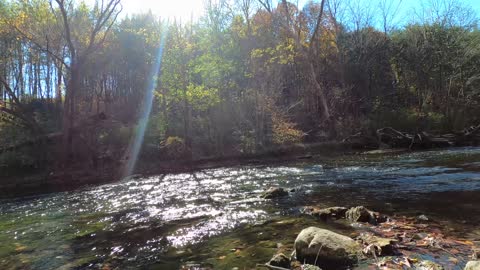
<point>137,140</point>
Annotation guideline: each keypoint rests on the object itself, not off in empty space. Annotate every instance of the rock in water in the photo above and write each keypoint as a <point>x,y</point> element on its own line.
<point>325,213</point>
<point>362,214</point>
<point>428,265</point>
<point>473,265</point>
<point>326,248</point>
<point>280,260</point>
<point>358,214</point>
<point>422,218</point>
<point>274,192</point>
<point>310,267</point>
<point>385,245</point>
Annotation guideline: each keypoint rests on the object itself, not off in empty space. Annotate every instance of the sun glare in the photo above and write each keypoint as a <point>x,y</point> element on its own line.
<point>183,10</point>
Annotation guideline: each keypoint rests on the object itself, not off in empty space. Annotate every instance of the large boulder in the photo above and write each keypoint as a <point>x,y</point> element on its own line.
<point>473,265</point>
<point>326,249</point>
<point>274,192</point>
<point>362,214</point>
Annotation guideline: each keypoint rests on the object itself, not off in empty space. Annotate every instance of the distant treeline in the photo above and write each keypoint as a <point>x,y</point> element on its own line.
<point>247,76</point>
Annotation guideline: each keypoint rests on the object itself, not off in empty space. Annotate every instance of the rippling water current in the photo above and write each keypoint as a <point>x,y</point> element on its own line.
<point>142,222</point>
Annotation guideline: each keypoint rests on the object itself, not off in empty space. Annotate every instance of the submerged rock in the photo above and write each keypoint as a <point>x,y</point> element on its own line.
<point>362,214</point>
<point>326,248</point>
<point>428,265</point>
<point>280,260</point>
<point>422,218</point>
<point>384,246</point>
<point>358,214</point>
<point>473,265</point>
<point>420,236</point>
<point>274,192</point>
<point>354,214</point>
<point>310,267</point>
<point>325,213</point>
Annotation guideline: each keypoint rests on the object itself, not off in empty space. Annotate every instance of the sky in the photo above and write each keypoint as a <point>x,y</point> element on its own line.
<point>184,9</point>
<point>180,9</point>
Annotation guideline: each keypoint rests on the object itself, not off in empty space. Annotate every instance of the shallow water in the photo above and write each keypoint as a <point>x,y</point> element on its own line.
<point>164,221</point>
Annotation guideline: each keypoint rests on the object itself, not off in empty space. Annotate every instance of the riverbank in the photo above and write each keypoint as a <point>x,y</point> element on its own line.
<point>388,141</point>
<point>48,181</point>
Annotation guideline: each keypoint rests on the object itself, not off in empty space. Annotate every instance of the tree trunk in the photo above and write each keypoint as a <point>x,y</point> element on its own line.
<point>320,93</point>
<point>69,113</point>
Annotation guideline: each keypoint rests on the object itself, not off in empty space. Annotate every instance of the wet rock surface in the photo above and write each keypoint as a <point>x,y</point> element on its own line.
<point>310,267</point>
<point>381,246</point>
<point>362,214</point>
<point>325,213</point>
<point>422,218</point>
<point>428,265</point>
<point>354,214</point>
<point>280,260</point>
<point>274,192</point>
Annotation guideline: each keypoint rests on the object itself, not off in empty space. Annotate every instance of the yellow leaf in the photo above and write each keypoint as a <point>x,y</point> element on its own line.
<point>413,260</point>
<point>453,260</point>
<point>20,248</point>
<point>466,242</point>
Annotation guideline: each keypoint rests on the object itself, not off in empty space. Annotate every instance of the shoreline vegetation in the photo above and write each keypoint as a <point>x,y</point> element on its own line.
<point>358,144</point>
<point>49,181</point>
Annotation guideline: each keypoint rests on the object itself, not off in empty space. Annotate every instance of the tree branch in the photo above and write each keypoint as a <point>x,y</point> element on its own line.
<point>66,25</point>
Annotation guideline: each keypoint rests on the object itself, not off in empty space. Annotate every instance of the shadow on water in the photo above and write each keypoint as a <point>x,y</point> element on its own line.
<point>216,218</point>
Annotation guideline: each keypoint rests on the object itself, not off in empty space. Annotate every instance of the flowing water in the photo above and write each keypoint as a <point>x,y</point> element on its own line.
<point>182,220</point>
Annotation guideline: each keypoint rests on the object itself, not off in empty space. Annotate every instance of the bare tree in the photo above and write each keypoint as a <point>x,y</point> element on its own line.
<point>247,7</point>
<point>389,11</point>
<point>307,52</point>
<point>336,10</point>
<point>105,13</point>
<point>445,13</point>
<point>267,4</point>
<point>360,13</point>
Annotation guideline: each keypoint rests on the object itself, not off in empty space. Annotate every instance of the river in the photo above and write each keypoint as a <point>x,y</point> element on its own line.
<point>195,219</point>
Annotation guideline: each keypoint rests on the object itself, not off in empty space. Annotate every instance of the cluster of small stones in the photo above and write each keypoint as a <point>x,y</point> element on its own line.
<point>315,247</point>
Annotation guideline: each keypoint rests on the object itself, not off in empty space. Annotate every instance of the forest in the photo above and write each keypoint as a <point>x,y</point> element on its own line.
<point>258,134</point>
<point>85,87</point>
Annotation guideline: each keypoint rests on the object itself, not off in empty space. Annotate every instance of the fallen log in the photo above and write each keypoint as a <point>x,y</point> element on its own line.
<point>423,140</point>
<point>394,138</point>
<point>361,141</point>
